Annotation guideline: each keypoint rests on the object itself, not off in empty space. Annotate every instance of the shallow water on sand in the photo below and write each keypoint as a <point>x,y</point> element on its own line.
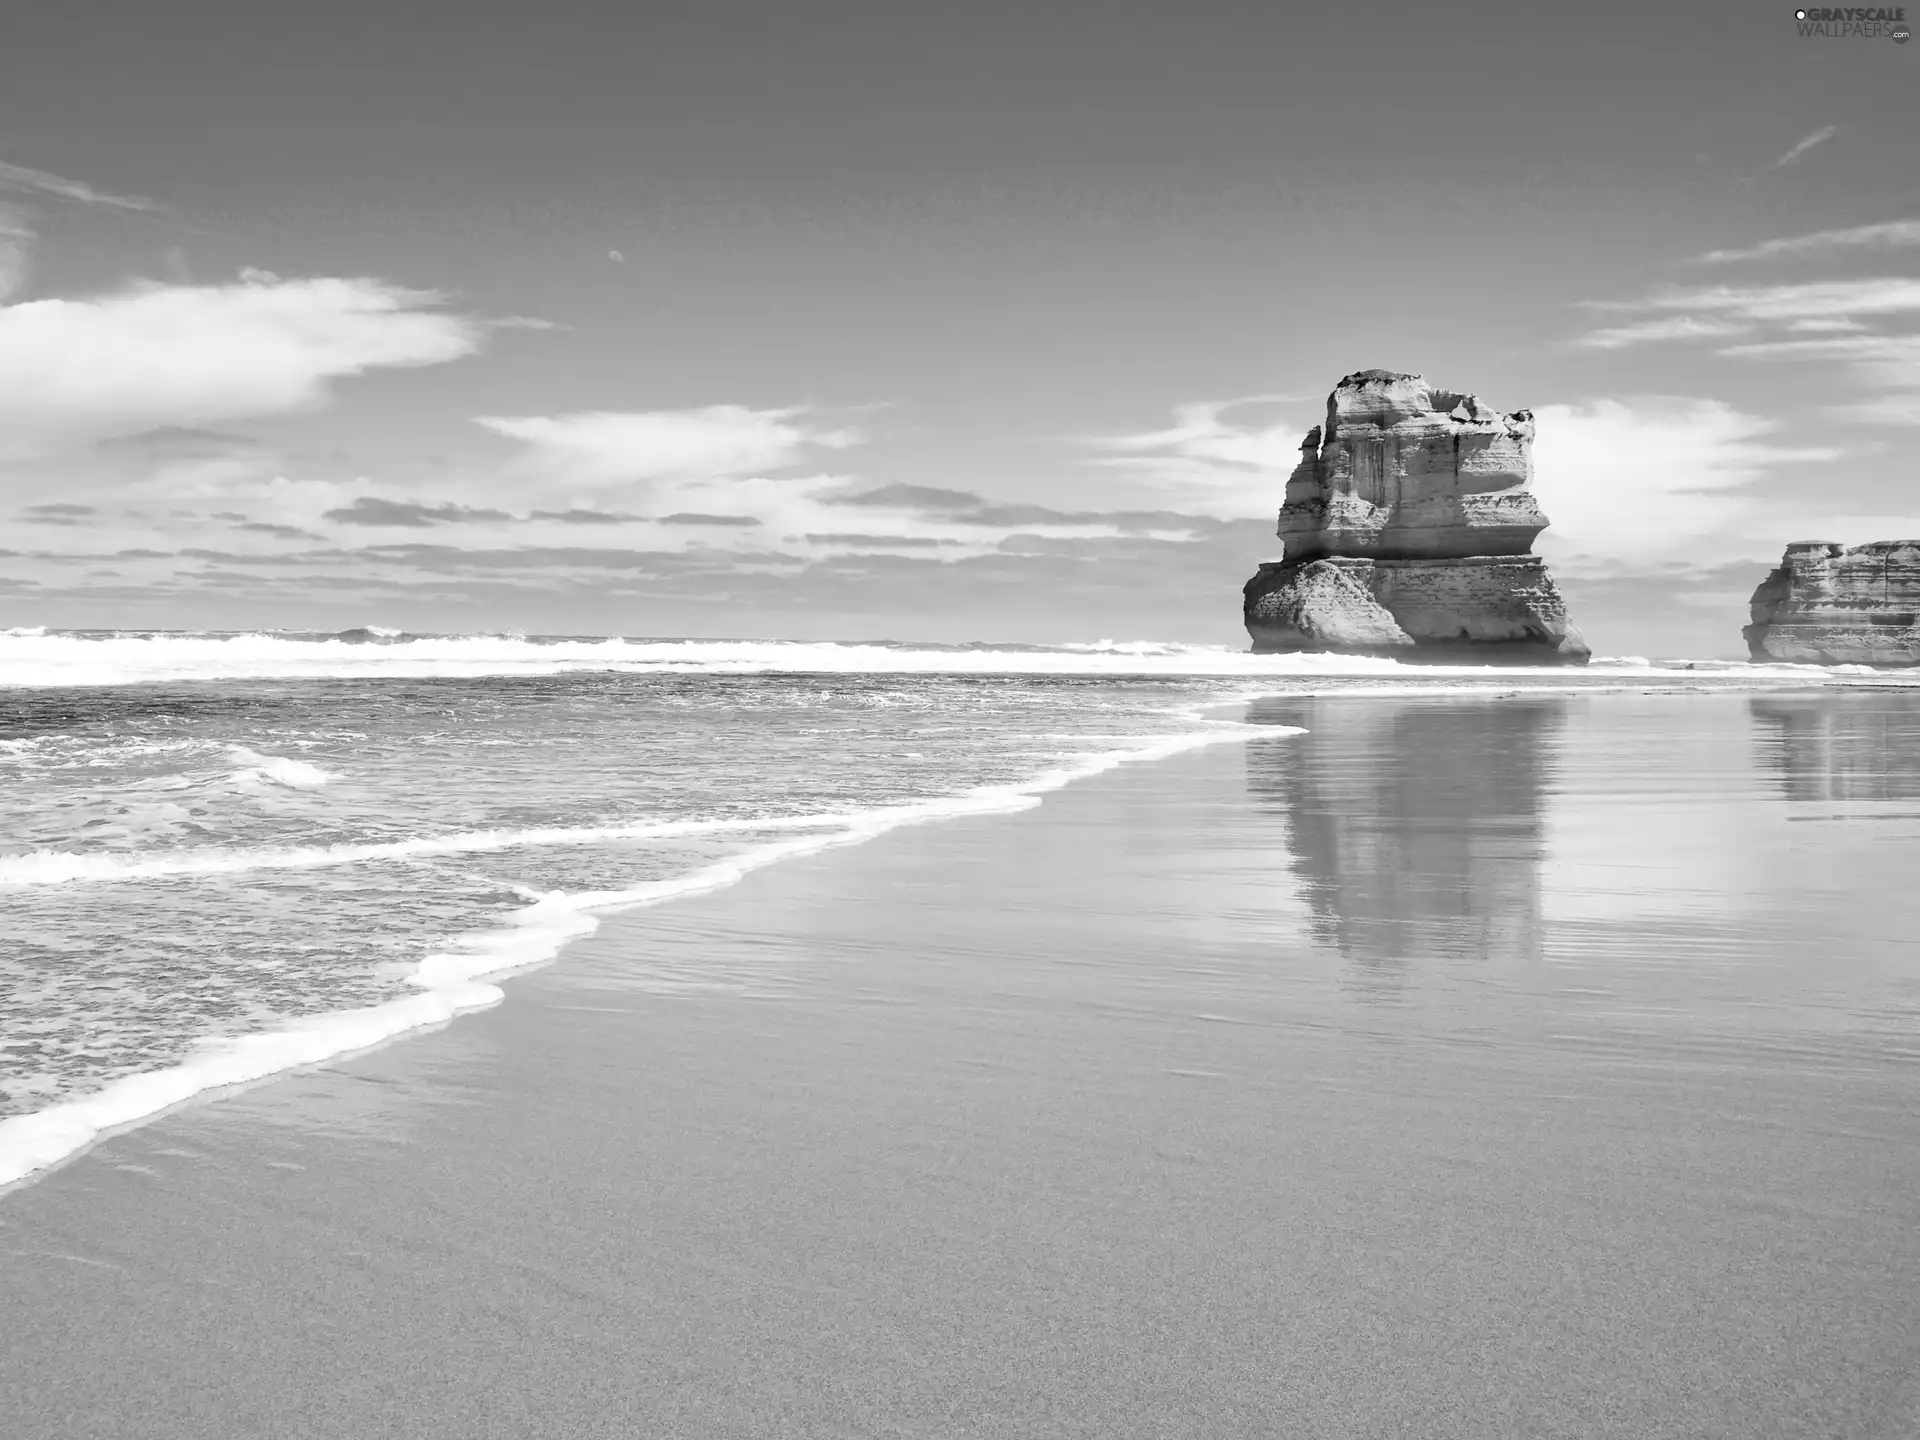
<point>1719,872</point>
<point>1525,1067</point>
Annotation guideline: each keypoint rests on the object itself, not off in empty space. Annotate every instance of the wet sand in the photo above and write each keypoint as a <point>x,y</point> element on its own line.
<point>1531,1067</point>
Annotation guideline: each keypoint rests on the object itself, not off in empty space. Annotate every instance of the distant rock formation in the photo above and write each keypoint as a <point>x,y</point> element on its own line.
<point>1407,526</point>
<point>1828,605</point>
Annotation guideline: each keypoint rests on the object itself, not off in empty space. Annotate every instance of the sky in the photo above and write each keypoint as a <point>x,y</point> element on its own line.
<point>820,319</point>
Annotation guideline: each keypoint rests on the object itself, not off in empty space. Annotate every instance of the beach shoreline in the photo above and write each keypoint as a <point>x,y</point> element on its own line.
<point>467,976</point>
<point>1067,1121</point>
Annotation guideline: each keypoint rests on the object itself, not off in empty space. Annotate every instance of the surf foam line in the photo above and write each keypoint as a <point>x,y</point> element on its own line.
<point>64,867</point>
<point>53,660</point>
<point>462,977</point>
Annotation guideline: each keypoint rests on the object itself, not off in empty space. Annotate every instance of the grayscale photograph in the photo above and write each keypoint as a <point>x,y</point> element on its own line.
<point>1076,720</point>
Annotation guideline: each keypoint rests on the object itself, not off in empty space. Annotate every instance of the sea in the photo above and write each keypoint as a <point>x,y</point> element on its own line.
<point>226,855</point>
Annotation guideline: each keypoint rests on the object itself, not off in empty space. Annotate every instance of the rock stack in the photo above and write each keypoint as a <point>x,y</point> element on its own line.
<point>1407,526</point>
<point>1828,605</point>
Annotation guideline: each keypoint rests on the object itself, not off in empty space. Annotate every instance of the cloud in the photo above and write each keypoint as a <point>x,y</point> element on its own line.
<point>1800,147</point>
<point>17,227</point>
<point>42,182</point>
<point>1722,305</point>
<point>184,355</point>
<point>1886,364</point>
<point>55,514</point>
<point>1844,322</point>
<point>585,517</point>
<point>957,510</point>
<point>601,447</point>
<point>178,462</point>
<point>179,442</point>
<point>706,500</point>
<point>1888,235</point>
<point>1896,349</point>
<point>717,468</point>
<point>1667,327</point>
<point>1207,462</point>
<point>1806,143</point>
<point>1604,467</point>
<point>371,510</point>
<point>1830,326</point>
<point>913,497</point>
<point>713,474</point>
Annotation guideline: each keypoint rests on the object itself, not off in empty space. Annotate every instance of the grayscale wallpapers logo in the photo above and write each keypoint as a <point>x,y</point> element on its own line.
<point>1856,22</point>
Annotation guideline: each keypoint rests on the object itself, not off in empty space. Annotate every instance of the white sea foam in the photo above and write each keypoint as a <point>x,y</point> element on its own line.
<point>64,867</point>
<point>460,978</point>
<point>258,769</point>
<point>40,659</point>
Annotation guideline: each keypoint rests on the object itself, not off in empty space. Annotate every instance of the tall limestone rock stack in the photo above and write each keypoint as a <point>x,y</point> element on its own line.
<point>1407,526</point>
<point>1828,605</point>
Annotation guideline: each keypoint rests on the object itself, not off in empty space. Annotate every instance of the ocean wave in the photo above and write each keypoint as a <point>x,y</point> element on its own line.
<point>256,769</point>
<point>61,659</point>
<point>461,977</point>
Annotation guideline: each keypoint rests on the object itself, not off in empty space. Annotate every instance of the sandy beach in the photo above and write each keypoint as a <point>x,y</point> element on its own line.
<point>1465,1067</point>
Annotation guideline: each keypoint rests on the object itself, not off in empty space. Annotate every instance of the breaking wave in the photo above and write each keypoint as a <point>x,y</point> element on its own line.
<point>41,658</point>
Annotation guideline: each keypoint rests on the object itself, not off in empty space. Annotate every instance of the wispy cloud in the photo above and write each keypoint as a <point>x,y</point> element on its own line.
<point>56,514</point>
<point>1887,235</point>
<point>1800,147</point>
<point>622,447</point>
<point>914,497</point>
<point>1851,323</point>
<point>964,509</point>
<point>1884,370</point>
<point>1806,143</point>
<point>694,517</point>
<point>18,228</point>
<point>43,182</point>
<point>372,510</point>
<point>1666,327</point>
<point>277,532</point>
<point>1708,305</point>
<point>859,540</point>
<point>1207,461</point>
<point>574,515</point>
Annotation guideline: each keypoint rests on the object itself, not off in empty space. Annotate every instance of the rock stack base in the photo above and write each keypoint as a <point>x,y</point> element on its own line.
<point>1480,610</point>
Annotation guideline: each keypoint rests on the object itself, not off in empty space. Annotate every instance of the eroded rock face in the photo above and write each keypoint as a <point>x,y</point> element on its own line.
<point>1828,605</point>
<point>1406,472</point>
<point>1406,528</point>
